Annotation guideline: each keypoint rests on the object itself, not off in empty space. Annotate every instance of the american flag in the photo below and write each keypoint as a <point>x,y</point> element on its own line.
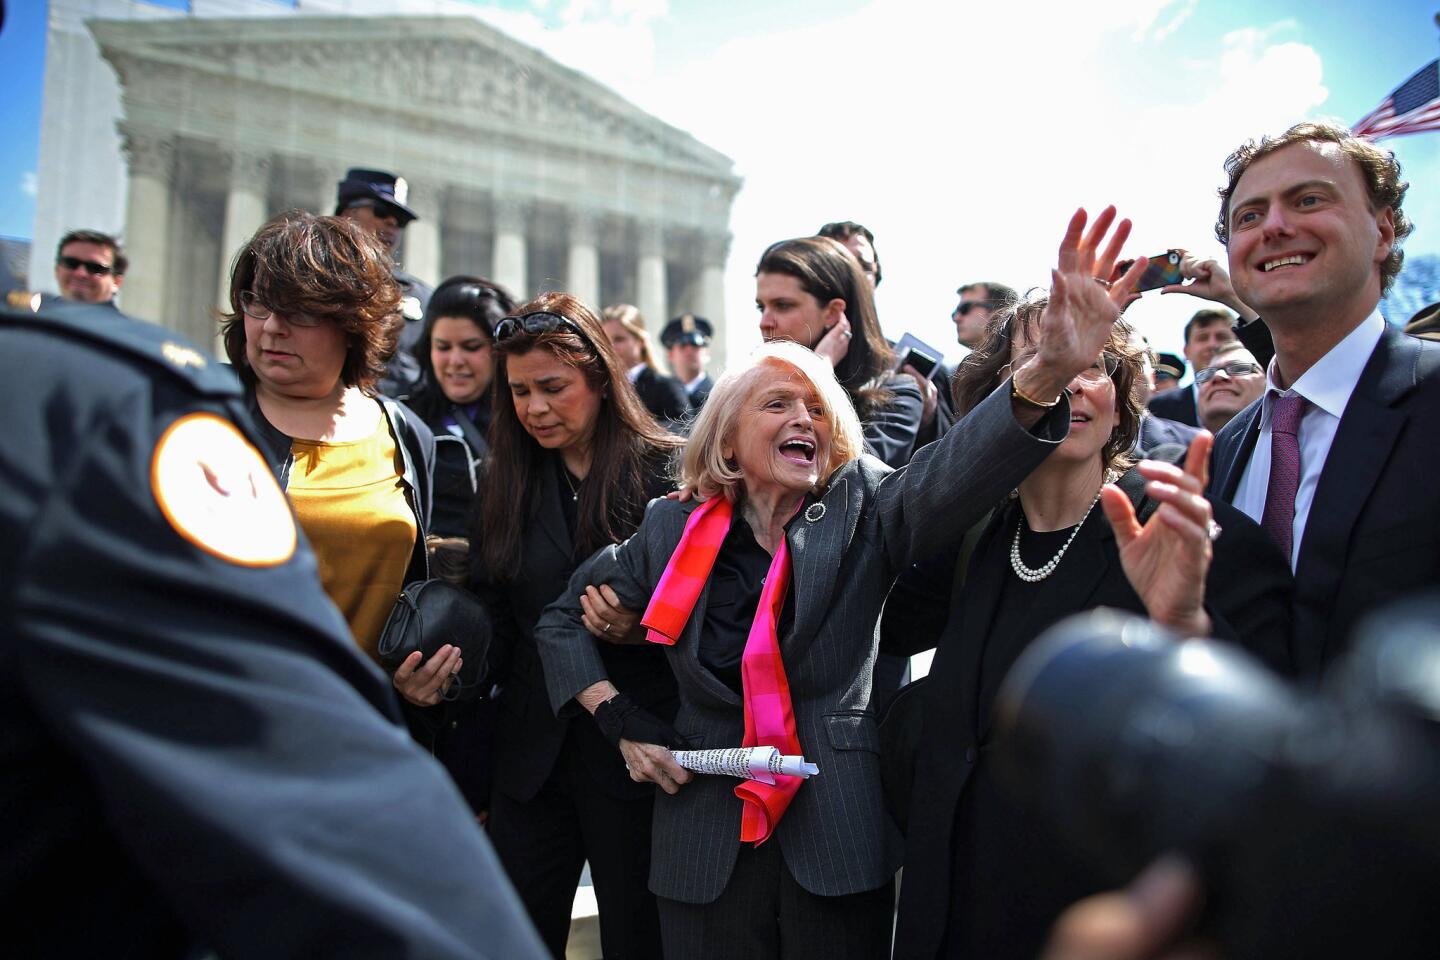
<point>1414,107</point>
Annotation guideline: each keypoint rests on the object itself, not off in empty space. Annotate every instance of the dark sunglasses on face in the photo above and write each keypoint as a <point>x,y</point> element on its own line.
<point>252,307</point>
<point>535,324</point>
<point>91,267</point>
<point>966,307</point>
<point>1240,368</point>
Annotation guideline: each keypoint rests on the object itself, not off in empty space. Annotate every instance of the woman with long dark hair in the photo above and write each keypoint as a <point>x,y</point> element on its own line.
<point>574,459</point>
<point>810,290</point>
<point>456,356</point>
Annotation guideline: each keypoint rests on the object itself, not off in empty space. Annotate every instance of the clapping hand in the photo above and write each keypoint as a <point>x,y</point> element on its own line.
<point>1081,312</point>
<point>1167,559</point>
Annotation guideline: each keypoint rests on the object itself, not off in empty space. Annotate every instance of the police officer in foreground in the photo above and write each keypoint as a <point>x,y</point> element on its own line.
<point>376,200</point>
<point>197,757</point>
<point>686,340</point>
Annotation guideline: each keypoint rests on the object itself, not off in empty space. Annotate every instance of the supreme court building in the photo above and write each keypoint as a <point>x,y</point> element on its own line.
<point>522,170</point>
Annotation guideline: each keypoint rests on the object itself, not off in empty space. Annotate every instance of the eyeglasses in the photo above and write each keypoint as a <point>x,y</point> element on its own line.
<point>1238,368</point>
<point>1101,370</point>
<point>251,306</point>
<point>91,267</point>
<point>535,324</point>
<point>969,305</point>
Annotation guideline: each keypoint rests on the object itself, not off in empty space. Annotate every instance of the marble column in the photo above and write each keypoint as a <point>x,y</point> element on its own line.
<point>510,251</point>
<point>714,248</point>
<point>151,159</point>
<point>249,174</point>
<point>420,251</point>
<point>582,276</point>
<point>650,292</point>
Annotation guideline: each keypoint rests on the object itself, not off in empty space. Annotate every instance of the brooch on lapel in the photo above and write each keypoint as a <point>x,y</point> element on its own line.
<point>814,512</point>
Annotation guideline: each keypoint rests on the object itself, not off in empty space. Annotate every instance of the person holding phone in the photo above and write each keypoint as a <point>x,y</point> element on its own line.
<point>810,290</point>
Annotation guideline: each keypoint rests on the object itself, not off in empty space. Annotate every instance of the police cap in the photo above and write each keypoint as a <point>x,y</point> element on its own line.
<point>377,185</point>
<point>687,329</point>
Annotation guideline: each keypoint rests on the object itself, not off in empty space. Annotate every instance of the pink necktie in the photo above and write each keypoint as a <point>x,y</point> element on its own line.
<point>1279,517</point>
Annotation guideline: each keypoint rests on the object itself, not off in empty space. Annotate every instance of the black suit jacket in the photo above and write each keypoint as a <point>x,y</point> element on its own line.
<point>1246,597</point>
<point>663,396</point>
<point>1373,534</point>
<point>1177,405</point>
<point>528,735</point>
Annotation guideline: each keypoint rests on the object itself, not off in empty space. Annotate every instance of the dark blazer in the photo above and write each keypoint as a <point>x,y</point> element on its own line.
<point>1177,405</point>
<point>663,396</point>
<point>701,393</point>
<point>1156,431</point>
<point>528,735</point>
<point>1246,596</point>
<point>202,735</point>
<point>891,428</point>
<point>869,523</point>
<point>1373,534</point>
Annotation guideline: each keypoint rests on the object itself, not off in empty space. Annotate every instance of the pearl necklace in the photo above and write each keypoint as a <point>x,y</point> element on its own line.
<point>1035,576</point>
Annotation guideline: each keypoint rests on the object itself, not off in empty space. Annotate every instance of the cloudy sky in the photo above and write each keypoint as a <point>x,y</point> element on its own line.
<point>963,134</point>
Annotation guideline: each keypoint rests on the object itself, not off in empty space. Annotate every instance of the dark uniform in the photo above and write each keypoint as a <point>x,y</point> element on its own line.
<point>696,331</point>
<point>196,755</point>
<point>387,193</point>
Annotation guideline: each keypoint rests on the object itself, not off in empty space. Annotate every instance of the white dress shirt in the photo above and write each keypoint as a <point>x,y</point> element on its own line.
<point>690,387</point>
<point>634,372</point>
<point>1327,386</point>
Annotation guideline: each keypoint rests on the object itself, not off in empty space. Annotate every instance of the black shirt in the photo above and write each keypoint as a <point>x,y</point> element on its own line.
<point>736,581</point>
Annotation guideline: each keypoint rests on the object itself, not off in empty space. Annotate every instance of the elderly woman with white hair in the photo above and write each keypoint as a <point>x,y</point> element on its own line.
<point>767,587</point>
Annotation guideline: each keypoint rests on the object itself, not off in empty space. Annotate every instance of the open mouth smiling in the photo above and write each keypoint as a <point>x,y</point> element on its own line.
<point>799,450</point>
<point>1293,260</point>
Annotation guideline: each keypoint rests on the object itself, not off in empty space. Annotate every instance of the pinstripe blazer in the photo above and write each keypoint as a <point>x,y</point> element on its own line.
<point>836,835</point>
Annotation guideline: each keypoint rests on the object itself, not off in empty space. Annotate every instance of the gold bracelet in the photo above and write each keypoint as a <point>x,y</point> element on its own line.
<point>1018,394</point>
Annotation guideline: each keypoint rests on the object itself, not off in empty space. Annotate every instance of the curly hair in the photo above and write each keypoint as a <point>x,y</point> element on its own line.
<point>326,267</point>
<point>988,366</point>
<point>1379,169</point>
<point>627,443</point>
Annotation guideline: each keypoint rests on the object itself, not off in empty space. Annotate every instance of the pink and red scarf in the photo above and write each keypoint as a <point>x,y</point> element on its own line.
<point>769,719</point>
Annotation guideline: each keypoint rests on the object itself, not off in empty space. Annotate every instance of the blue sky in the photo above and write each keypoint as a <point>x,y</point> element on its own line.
<point>962,133</point>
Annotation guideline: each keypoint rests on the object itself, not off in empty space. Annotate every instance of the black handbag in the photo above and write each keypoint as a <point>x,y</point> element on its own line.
<point>431,613</point>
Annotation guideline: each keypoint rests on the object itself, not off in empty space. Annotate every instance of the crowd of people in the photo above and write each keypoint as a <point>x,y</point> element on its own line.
<point>671,561</point>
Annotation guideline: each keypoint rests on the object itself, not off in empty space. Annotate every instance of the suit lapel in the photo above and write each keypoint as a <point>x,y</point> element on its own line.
<point>1233,453</point>
<point>689,644</point>
<point>547,512</point>
<point>817,544</point>
<point>1358,455</point>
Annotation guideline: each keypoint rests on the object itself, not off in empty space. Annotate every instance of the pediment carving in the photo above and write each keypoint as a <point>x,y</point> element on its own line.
<point>473,81</point>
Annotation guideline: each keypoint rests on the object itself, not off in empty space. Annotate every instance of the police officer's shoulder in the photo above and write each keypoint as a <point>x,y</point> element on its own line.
<point>104,328</point>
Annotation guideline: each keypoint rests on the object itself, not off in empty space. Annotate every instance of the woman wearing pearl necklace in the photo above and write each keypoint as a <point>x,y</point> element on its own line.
<point>984,877</point>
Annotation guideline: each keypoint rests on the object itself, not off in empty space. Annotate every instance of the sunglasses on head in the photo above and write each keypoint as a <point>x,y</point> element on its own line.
<point>91,267</point>
<point>535,324</point>
<point>966,307</point>
<point>1239,368</point>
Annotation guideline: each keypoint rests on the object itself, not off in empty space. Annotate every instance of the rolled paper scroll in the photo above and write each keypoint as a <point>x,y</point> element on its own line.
<point>751,763</point>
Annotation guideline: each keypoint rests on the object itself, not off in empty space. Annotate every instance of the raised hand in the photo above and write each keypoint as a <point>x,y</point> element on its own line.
<point>1077,320</point>
<point>1208,281</point>
<point>1167,559</point>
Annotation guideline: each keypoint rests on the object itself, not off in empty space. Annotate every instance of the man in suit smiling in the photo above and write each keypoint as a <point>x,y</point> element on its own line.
<point>1335,457</point>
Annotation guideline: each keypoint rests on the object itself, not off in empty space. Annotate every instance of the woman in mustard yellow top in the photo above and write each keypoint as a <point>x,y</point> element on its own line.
<point>311,322</point>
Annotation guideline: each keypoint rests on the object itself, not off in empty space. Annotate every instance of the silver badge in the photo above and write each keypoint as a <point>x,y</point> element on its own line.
<point>814,512</point>
<point>410,308</point>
